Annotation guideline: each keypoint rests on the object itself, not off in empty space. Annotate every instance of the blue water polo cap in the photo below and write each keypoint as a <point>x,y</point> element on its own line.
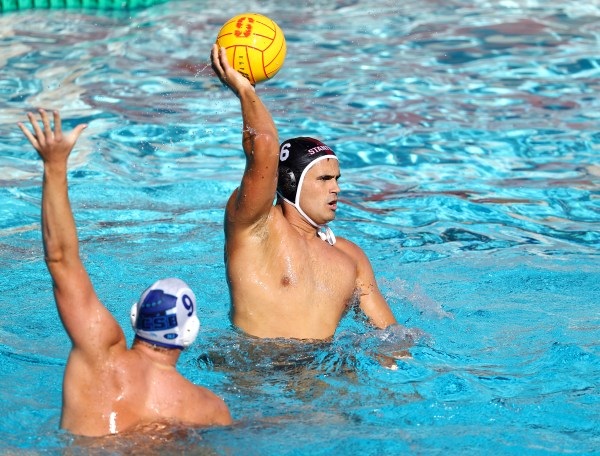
<point>166,314</point>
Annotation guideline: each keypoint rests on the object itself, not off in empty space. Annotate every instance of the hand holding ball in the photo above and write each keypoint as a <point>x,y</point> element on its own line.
<point>255,46</point>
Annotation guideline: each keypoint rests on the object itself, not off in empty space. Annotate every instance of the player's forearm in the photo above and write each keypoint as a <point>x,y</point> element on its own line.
<point>377,309</point>
<point>58,226</point>
<point>384,318</point>
<point>256,118</point>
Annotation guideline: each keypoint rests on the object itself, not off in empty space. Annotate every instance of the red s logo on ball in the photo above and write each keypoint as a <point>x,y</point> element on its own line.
<point>240,24</point>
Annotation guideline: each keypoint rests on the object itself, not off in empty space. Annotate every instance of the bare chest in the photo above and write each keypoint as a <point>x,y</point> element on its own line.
<point>318,268</point>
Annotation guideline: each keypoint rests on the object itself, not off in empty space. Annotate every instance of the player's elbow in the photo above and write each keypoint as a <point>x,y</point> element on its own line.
<point>266,140</point>
<point>57,254</point>
<point>62,264</point>
<point>54,259</point>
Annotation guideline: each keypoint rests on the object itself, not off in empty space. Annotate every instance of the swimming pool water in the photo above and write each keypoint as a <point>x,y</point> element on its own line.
<point>468,138</point>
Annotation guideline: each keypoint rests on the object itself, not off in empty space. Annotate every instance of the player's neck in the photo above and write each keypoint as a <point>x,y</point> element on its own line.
<point>300,224</point>
<point>166,357</point>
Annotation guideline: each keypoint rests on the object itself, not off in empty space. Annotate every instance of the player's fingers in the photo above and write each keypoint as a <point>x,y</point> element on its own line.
<point>216,64</point>
<point>46,122</point>
<point>77,131</point>
<point>29,135</point>
<point>57,125</point>
<point>223,58</point>
<point>36,128</point>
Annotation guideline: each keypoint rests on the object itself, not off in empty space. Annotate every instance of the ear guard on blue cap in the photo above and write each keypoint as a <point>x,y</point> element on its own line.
<point>166,315</point>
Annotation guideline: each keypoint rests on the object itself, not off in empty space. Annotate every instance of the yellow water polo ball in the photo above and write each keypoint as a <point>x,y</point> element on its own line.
<point>255,46</point>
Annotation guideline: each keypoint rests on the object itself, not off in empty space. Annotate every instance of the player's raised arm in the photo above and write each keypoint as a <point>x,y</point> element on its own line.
<point>87,322</point>
<point>254,198</point>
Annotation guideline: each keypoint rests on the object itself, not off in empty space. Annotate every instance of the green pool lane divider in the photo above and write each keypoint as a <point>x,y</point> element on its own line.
<point>17,5</point>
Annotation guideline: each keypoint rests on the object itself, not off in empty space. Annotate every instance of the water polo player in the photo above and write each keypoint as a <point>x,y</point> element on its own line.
<point>107,387</point>
<point>288,275</point>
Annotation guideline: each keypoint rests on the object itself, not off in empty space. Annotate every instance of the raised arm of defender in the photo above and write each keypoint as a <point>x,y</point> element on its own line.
<point>253,199</point>
<point>88,323</point>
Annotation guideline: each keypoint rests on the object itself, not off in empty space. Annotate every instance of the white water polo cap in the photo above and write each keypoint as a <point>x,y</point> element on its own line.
<point>296,157</point>
<point>166,314</point>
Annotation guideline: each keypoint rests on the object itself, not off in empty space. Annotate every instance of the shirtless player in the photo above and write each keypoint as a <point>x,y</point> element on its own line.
<point>288,275</point>
<point>108,388</point>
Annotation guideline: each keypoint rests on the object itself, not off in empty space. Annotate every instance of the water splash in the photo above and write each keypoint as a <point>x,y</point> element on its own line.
<point>398,289</point>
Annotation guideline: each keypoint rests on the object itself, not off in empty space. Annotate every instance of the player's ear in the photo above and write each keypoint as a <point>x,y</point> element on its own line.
<point>287,178</point>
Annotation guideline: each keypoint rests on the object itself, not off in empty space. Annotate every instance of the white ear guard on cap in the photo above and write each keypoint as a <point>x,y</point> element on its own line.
<point>166,315</point>
<point>190,331</point>
<point>323,231</point>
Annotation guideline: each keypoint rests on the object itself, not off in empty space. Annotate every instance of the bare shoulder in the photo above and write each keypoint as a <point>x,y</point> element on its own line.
<point>351,249</point>
<point>168,390</point>
<point>209,409</point>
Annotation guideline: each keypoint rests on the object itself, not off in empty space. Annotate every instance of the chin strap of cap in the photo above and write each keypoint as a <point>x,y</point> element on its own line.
<point>323,231</point>
<point>326,234</point>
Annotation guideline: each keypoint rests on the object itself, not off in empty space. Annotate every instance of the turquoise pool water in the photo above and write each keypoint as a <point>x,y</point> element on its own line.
<point>468,133</point>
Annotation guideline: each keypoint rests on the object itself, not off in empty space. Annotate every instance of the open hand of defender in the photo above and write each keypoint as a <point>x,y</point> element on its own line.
<point>52,145</point>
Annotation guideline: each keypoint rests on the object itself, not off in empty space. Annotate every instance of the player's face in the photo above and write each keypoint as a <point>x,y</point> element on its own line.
<point>320,189</point>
